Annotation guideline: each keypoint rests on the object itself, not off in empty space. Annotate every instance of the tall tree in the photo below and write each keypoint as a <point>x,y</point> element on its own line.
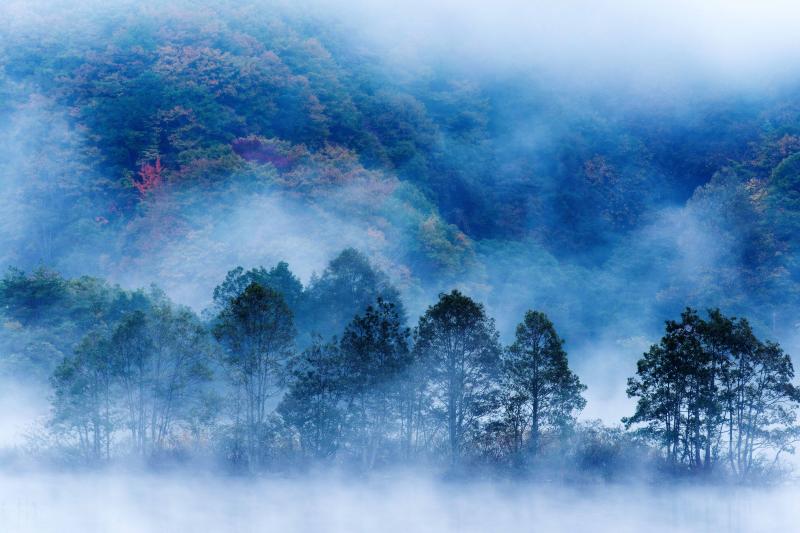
<point>84,398</point>
<point>761,408</point>
<point>179,369</point>
<point>542,391</point>
<point>257,331</point>
<point>312,405</point>
<point>279,278</point>
<point>131,350</point>
<point>460,344</point>
<point>375,355</point>
<point>160,360</point>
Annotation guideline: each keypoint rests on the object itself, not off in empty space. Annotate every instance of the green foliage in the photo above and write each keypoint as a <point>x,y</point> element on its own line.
<point>460,347</point>
<point>82,403</point>
<point>142,375</point>
<point>44,316</point>
<point>712,396</point>
<point>375,356</point>
<point>312,404</point>
<point>347,286</point>
<point>279,278</point>
<point>31,299</point>
<point>515,187</point>
<point>135,378</point>
<point>256,330</point>
<point>241,103</point>
<point>540,391</point>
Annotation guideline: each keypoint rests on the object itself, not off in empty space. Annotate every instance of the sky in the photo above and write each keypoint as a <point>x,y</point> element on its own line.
<point>647,43</point>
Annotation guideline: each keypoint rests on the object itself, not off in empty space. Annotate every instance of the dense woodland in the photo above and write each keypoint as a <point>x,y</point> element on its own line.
<point>165,143</point>
<point>276,377</point>
<point>169,141</point>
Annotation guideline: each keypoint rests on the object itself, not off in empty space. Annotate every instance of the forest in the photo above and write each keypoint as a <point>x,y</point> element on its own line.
<point>166,144</point>
<point>266,240</point>
<point>278,377</point>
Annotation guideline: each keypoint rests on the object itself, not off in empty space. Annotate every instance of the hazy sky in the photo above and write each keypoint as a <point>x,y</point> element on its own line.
<point>666,42</point>
<point>674,40</point>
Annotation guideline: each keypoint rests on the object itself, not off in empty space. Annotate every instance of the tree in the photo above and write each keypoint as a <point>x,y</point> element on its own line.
<point>47,316</point>
<point>160,360</point>
<point>278,278</point>
<point>180,366</point>
<point>347,286</point>
<point>761,408</point>
<point>150,177</point>
<point>131,350</point>
<point>257,331</point>
<point>30,298</point>
<point>667,386</point>
<point>541,390</point>
<point>84,399</point>
<point>312,404</point>
<point>375,355</point>
<point>461,348</point>
<point>711,393</point>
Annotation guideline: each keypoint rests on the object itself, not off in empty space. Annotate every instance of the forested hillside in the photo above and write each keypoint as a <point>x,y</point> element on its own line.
<point>143,143</point>
<point>225,154</point>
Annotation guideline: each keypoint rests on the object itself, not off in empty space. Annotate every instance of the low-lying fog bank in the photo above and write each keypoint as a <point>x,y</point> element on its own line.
<point>141,503</point>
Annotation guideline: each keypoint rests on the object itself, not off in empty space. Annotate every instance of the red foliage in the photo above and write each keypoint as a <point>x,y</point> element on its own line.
<point>150,177</point>
<point>282,155</point>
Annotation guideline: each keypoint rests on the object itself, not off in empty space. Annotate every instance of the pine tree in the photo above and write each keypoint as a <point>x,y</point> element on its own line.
<point>543,391</point>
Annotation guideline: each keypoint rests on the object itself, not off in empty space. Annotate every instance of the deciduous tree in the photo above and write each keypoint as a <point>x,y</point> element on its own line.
<point>460,344</point>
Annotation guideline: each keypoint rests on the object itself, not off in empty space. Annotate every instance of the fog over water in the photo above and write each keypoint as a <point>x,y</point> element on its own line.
<point>85,503</point>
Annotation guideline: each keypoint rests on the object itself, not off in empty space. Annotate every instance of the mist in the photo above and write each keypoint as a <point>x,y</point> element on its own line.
<point>661,45</point>
<point>127,503</point>
<point>587,173</point>
<point>725,51</point>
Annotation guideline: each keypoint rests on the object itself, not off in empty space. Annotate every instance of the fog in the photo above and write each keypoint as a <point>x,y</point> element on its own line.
<point>140,503</point>
<point>553,91</point>
<point>606,47</point>
<point>23,410</point>
<point>659,45</point>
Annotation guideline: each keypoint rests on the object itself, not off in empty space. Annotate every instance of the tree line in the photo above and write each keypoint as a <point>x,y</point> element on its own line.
<point>275,376</point>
